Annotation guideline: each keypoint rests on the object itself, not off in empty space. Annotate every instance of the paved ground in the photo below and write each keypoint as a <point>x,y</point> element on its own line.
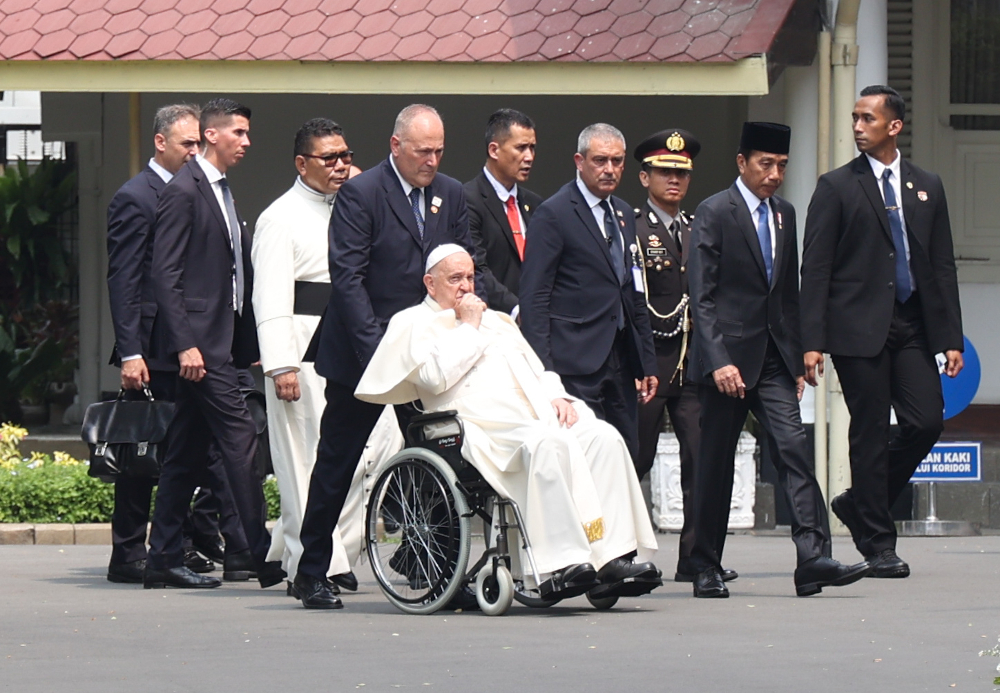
<point>63,627</point>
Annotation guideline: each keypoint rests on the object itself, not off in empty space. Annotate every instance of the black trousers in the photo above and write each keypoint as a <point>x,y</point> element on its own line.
<point>345,427</point>
<point>773,401</point>
<point>213,509</point>
<point>209,412</point>
<point>611,393</point>
<point>903,376</point>
<point>685,416</point>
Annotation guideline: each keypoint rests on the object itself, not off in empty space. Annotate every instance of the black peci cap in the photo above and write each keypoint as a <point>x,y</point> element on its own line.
<point>670,148</point>
<point>773,138</point>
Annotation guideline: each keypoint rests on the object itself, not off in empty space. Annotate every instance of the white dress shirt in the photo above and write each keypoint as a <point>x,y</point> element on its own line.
<point>753,202</point>
<point>598,211</point>
<point>665,217</point>
<point>407,189</point>
<point>878,168</point>
<point>214,175</point>
<point>503,193</point>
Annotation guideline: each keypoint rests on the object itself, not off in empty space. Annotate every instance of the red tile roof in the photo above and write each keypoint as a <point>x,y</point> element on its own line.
<point>389,30</point>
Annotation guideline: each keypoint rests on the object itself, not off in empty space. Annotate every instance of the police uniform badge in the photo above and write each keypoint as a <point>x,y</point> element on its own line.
<point>675,142</point>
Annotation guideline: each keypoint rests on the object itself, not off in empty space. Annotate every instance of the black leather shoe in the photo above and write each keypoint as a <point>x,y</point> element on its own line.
<point>811,577</point>
<point>464,599</point>
<point>128,573</point>
<point>708,585</point>
<point>238,567</point>
<point>886,564</point>
<point>571,581</point>
<point>315,594</point>
<point>618,569</point>
<point>182,578</point>
<point>845,510</point>
<point>348,580</point>
<point>727,576</point>
<point>211,548</point>
<point>270,574</point>
<point>197,563</point>
<point>288,588</point>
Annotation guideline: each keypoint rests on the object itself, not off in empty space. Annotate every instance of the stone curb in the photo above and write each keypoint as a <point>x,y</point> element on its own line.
<point>55,534</point>
<point>26,534</point>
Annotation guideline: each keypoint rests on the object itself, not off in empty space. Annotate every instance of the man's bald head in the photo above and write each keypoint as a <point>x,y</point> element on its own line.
<point>417,144</point>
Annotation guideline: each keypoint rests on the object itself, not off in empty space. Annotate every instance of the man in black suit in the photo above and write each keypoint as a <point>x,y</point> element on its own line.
<point>880,294</point>
<point>500,207</point>
<point>203,279</point>
<point>583,309</point>
<point>383,226</point>
<point>664,234</point>
<point>131,221</point>
<point>747,355</point>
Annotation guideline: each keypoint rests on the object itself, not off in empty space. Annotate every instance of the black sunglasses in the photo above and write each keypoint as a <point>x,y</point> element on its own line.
<point>330,160</point>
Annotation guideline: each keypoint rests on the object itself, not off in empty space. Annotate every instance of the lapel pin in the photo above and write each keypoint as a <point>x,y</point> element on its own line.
<point>619,212</point>
<point>780,222</point>
<point>922,196</point>
<point>909,184</point>
<point>434,209</point>
<point>527,208</point>
<point>436,202</point>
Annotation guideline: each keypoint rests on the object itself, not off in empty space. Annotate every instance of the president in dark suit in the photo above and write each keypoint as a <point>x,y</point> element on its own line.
<point>583,309</point>
<point>383,226</point>
<point>131,222</point>
<point>202,279</point>
<point>500,207</point>
<point>747,355</point>
<point>880,294</point>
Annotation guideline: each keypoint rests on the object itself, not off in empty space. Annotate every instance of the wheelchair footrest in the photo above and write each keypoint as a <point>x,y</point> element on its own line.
<point>558,588</point>
<point>629,587</point>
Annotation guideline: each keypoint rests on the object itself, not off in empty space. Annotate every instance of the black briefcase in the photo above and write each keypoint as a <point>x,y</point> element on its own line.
<point>258,412</point>
<point>127,438</point>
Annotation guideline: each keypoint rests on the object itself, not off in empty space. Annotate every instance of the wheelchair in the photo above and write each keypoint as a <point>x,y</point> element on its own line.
<point>419,531</point>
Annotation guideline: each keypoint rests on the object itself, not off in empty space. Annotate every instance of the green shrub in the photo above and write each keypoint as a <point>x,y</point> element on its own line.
<point>56,488</point>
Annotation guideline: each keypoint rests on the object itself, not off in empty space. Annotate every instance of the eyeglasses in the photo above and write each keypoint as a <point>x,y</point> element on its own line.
<point>330,160</point>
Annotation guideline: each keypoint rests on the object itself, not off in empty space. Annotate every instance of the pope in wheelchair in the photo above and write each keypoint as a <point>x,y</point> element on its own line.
<point>559,475</point>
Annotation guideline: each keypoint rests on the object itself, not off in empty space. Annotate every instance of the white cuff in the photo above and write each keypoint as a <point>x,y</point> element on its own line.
<point>279,371</point>
<point>131,358</point>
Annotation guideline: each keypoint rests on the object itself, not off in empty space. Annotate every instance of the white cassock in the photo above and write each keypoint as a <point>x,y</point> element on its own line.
<point>576,487</point>
<point>290,245</point>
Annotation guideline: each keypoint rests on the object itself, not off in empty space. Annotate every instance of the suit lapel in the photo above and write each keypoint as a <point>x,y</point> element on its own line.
<point>399,203</point>
<point>743,220</point>
<point>909,194</point>
<point>779,242</point>
<point>866,177</point>
<point>586,216</point>
<point>497,210</point>
<point>685,237</point>
<point>154,180</point>
<point>205,188</point>
<point>430,216</point>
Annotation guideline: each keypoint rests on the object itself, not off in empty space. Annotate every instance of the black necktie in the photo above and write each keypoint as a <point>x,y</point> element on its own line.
<point>903,288</point>
<point>614,240</point>
<point>675,231</point>
<point>237,242</point>
<point>415,203</point>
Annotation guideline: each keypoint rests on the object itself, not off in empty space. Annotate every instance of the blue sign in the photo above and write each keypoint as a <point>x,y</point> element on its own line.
<point>950,462</point>
<point>959,391</point>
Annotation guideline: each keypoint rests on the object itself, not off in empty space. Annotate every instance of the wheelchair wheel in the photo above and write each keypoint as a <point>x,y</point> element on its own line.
<point>418,532</point>
<point>494,592</point>
<point>602,603</point>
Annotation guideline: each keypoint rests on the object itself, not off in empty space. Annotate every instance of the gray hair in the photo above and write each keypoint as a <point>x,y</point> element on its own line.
<point>166,116</point>
<point>408,114</point>
<point>598,131</point>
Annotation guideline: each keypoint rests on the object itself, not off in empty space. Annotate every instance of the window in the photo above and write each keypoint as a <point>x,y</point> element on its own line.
<point>975,65</point>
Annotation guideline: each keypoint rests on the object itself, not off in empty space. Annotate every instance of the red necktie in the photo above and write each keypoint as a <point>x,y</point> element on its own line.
<point>515,225</point>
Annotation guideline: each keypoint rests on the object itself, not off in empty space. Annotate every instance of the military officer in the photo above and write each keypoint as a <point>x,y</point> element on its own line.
<point>662,228</point>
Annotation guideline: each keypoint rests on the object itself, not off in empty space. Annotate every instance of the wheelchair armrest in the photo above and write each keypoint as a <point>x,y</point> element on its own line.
<point>433,416</point>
